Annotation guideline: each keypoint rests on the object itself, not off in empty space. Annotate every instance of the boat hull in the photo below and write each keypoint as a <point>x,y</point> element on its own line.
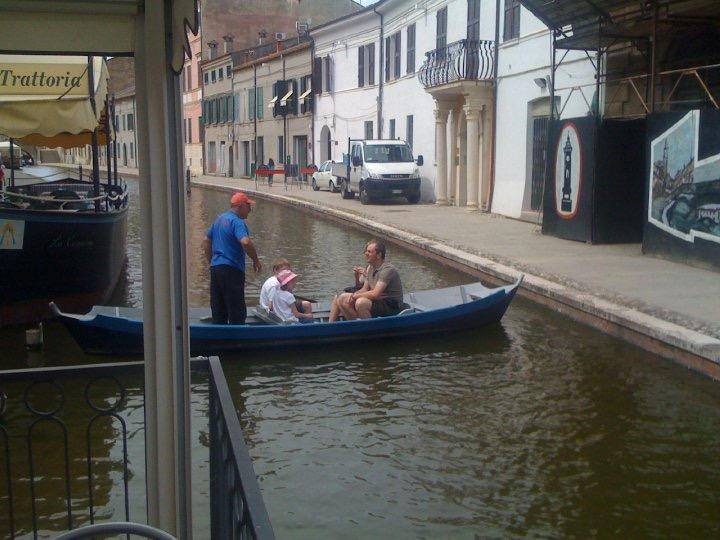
<point>72,258</point>
<point>118,335</point>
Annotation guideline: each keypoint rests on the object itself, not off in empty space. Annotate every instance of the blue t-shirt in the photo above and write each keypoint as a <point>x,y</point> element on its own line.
<point>225,234</point>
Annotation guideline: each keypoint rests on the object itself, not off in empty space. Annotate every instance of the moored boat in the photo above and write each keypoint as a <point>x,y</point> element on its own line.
<point>119,330</point>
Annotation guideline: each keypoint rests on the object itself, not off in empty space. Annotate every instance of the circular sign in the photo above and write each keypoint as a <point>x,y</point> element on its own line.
<point>568,172</point>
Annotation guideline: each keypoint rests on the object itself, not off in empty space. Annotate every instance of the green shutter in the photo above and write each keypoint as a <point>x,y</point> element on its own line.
<point>251,104</point>
<point>260,103</point>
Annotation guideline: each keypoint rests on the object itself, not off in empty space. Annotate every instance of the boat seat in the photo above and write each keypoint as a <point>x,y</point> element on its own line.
<point>267,316</point>
<point>64,194</point>
<point>409,310</point>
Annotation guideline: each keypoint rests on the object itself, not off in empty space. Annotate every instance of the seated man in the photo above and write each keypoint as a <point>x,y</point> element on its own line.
<point>380,296</point>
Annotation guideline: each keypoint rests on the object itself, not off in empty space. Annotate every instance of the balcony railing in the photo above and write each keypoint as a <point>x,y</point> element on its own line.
<point>464,60</point>
<point>70,455</point>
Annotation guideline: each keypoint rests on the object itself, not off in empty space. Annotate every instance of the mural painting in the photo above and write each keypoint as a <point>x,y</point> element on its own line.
<point>568,172</point>
<point>684,194</point>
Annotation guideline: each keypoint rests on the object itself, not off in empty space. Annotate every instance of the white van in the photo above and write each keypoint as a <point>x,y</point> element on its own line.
<point>379,169</point>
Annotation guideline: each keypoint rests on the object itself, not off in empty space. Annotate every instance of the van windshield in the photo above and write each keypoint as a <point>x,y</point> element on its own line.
<point>388,153</point>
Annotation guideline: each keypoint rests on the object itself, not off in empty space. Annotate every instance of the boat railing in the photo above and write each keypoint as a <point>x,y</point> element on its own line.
<point>69,456</point>
<point>63,196</point>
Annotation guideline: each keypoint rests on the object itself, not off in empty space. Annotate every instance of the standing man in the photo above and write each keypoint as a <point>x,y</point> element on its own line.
<point>225,245</point>
<point>380,296</point>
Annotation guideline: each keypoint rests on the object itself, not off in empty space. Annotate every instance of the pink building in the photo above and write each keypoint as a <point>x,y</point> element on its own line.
<point>191,86</point>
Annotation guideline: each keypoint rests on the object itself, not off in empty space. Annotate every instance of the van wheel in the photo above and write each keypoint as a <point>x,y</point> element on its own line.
<point>345,192</point>
<point>364,197</point>
<point>413,199</point>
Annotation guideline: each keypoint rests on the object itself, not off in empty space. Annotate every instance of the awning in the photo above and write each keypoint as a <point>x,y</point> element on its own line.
<point>561,13</point>
<point>43,97</point>
<point>79,27</point>
<point>272,102</point>
<point>305,94</point>
<point>283,101</point>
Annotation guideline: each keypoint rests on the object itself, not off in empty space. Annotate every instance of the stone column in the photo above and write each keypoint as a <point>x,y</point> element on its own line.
<point>472,115</point>
<point>441,115</point>
<point>485,138</point>
<point>452,153</point>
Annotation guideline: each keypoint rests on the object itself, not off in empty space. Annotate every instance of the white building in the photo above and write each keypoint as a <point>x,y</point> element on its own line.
<point>425,71</point>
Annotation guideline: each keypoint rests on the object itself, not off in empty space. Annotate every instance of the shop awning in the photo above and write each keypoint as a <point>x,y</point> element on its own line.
<point>304,95</point>
<point>79,27</point>
<point>47,100</point>
<point>272,102</point>
<point>283,101</point>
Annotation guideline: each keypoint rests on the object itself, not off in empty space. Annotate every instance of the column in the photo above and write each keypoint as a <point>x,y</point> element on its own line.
<point>441,115</point>
<point>472,115</point>
<point>485,159</point>
<point>452,153</point>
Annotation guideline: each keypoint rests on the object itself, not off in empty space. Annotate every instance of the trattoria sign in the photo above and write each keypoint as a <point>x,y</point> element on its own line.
<point>43,79</point>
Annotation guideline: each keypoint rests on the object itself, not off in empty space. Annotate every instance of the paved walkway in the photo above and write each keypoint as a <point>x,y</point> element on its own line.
<point>672,302</point>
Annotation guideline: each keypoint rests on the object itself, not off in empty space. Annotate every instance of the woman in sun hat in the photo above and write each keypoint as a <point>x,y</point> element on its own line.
<point>284,304</point>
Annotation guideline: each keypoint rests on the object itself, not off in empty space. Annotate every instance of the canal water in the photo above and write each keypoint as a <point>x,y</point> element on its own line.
<point>537,427</point>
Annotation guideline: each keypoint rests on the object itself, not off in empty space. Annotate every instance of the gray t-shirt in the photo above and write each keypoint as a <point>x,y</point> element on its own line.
<point>389,275</point>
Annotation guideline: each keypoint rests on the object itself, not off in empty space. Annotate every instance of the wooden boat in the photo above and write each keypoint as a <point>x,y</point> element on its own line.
<point>119,330</point>
<point>61,238</point>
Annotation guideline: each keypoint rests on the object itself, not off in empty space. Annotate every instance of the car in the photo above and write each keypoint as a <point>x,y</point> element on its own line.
<point>324,177</point>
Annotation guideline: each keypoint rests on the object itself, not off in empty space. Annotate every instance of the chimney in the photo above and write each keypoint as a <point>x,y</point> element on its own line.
<point>228,43</point>
<point>212,45</point>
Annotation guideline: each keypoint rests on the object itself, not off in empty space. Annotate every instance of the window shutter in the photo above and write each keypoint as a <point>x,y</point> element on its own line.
<point>387,58</point>
<point>410,48</point>
<point>259,103</point>
<point>251,103</point>
<point>317,76</point>
<point>294,101</point>
<point>275,93</point>
<point>398,47</point>
<point>328,74</point>
<point>371,63</point>
<point>361,66</point>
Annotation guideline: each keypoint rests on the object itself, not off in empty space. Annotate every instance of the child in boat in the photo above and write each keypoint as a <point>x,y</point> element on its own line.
<point>272,284</point>
<point>283,301</point>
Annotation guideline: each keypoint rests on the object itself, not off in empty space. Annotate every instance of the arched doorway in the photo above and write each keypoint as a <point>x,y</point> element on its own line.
<point>325,144</point>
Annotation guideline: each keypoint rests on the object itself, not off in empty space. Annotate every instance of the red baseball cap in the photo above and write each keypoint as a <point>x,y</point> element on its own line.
<point>239,198</point>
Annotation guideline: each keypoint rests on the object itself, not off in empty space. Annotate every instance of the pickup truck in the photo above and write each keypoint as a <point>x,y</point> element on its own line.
<point>378,169</point>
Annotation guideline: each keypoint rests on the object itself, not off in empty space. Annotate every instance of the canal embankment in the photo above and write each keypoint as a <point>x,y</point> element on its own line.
<point>661,306</point>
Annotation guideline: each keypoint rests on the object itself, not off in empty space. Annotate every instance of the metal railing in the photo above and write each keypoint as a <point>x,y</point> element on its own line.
<point>464,60</point>
<point>64,451</point>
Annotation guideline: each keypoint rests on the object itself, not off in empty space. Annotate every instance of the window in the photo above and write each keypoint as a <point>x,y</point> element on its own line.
<point>223,110</point>
<point>328,73</point>
<point>213,76</point>
<point>189,130</point>
<point>227,71</point>
<point>206,78</point>
<point>199,69</point>
<point>473,19</point>
<point>117,122</point>
<point>397,49</point>
<point>221,74</point>
<point>511,28</point>
<point>132,150</point>
<point>124,120</point>
<point>369,129</point>
<point>236,107</point>
<point>370,50</point>
<point>251,104</point>
<point>411,48</point>
<point>441,34</point>
<point>361,66</point>
<point>131,122</point>
<point>317,75</point>
<point>260,149</point>
<point>392,128</point>
<point>409,130</point>
<point>281,149</point>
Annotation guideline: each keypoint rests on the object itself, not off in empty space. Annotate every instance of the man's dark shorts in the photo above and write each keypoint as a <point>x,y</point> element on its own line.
<point>385,307</point>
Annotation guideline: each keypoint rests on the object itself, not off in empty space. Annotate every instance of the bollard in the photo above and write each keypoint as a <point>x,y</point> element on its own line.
<point>34,338</point>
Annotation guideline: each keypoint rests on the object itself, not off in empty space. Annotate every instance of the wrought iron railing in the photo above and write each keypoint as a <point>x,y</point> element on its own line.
<point>64,462</point>
<point>464,60</point>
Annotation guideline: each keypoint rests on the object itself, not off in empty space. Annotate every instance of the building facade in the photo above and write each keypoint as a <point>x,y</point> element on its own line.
<point>191,85</point>
<point>126,129</point>
<point>218,112</point>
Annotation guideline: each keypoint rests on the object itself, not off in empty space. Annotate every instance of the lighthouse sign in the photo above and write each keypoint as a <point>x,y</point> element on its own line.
<point>568,172</point>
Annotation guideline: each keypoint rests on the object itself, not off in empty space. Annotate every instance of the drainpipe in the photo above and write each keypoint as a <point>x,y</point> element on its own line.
<point>312,110</point>
<point>285,143</point>
<point>494,106</point>
<point>382,73</point>
<point>255,116</point>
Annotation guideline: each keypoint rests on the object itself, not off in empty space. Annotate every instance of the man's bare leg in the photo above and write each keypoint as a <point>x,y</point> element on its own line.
<point>334,309</point>
<point>363,307</point>
<point>347,306</point>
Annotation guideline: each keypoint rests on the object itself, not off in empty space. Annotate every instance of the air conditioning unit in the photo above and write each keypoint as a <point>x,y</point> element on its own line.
<point>279,36</point>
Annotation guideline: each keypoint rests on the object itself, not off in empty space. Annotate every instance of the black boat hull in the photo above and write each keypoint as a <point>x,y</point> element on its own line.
<point>72,258</point>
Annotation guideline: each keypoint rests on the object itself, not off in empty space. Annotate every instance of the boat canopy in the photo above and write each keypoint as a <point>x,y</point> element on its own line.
<point>48,100</point>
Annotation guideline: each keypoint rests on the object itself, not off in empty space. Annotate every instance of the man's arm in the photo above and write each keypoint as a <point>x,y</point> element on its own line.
<point>249,248</point>
<point>207,248</point>
<point>374,294</point>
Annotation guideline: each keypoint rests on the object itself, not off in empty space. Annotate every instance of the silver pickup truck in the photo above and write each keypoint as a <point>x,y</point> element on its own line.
<point>379,169</point>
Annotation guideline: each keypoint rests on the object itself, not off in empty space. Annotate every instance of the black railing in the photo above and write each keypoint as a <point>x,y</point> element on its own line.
<point>64,451</point>
<point>464,60</point>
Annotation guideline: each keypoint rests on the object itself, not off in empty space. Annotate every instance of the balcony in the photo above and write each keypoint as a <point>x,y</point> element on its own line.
<point>464,60</point>
<point>72,454</point>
